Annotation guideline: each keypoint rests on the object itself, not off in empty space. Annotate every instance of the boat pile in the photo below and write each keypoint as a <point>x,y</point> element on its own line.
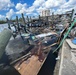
<point>32,40</point>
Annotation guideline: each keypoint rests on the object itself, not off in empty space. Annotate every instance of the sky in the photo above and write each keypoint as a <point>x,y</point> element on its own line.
<point>13,8</point>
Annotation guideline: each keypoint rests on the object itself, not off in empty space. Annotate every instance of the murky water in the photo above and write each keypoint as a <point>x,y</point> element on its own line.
<point>49,65</point>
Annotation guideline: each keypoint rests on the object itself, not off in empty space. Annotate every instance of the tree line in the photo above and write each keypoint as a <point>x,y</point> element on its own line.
<point>4,21</point>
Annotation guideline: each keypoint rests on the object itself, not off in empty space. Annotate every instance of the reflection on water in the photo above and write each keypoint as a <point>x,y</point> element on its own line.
<point>2,26</point>
<point>49,65</point>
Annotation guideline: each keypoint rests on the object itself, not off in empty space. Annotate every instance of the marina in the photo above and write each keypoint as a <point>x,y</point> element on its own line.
<point>38,46</point>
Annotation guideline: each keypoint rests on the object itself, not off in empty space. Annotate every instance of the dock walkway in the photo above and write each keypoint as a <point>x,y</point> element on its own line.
<point>67,63</point>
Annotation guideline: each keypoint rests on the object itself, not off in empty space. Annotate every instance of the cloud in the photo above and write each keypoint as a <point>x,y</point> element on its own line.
<point>10,13</point>
<point>2,17</point>
<point>21,11</point>
<point>33,14</point>
<point>38,3</point>
<point>5,4</point>
<point>56,6</point>
<point>52,5</point>
<point>30,9</point>
<point>48,4</point>
<point>19,6</point>
<point>22,8</point>
<point>67,6</point>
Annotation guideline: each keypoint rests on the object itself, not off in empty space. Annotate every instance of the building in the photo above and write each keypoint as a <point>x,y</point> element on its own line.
<point>45,13</point>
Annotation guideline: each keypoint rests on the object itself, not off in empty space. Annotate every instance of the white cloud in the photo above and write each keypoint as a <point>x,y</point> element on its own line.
<point>51,5</point>
<point>57,6</point>
<point>32,14</point>
<point>38,3</point>
<point>67,6</point>
<point>10,13</point>
<point>5,4</point>
<point>2,17</point>
<point>28,10</point>
<point>19,6</point>
<point>21,11</point>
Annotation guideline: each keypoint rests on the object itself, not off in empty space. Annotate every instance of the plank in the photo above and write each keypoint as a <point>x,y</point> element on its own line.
<point>30,67</point>
<point>73,46</point>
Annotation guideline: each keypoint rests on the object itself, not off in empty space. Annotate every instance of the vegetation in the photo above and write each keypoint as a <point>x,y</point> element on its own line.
<point>2,21</point>
<point>13,20</point>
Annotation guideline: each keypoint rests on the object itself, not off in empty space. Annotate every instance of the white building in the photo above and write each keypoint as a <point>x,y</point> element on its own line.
<point>45,13</point>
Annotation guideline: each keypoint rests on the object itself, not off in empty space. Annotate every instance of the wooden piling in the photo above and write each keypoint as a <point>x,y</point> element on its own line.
<point>23,19</point>
<point>8,23</point>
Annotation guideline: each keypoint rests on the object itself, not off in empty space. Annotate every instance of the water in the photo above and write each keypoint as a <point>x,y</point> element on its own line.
<point>2,26</point>
<point>49,65</point>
